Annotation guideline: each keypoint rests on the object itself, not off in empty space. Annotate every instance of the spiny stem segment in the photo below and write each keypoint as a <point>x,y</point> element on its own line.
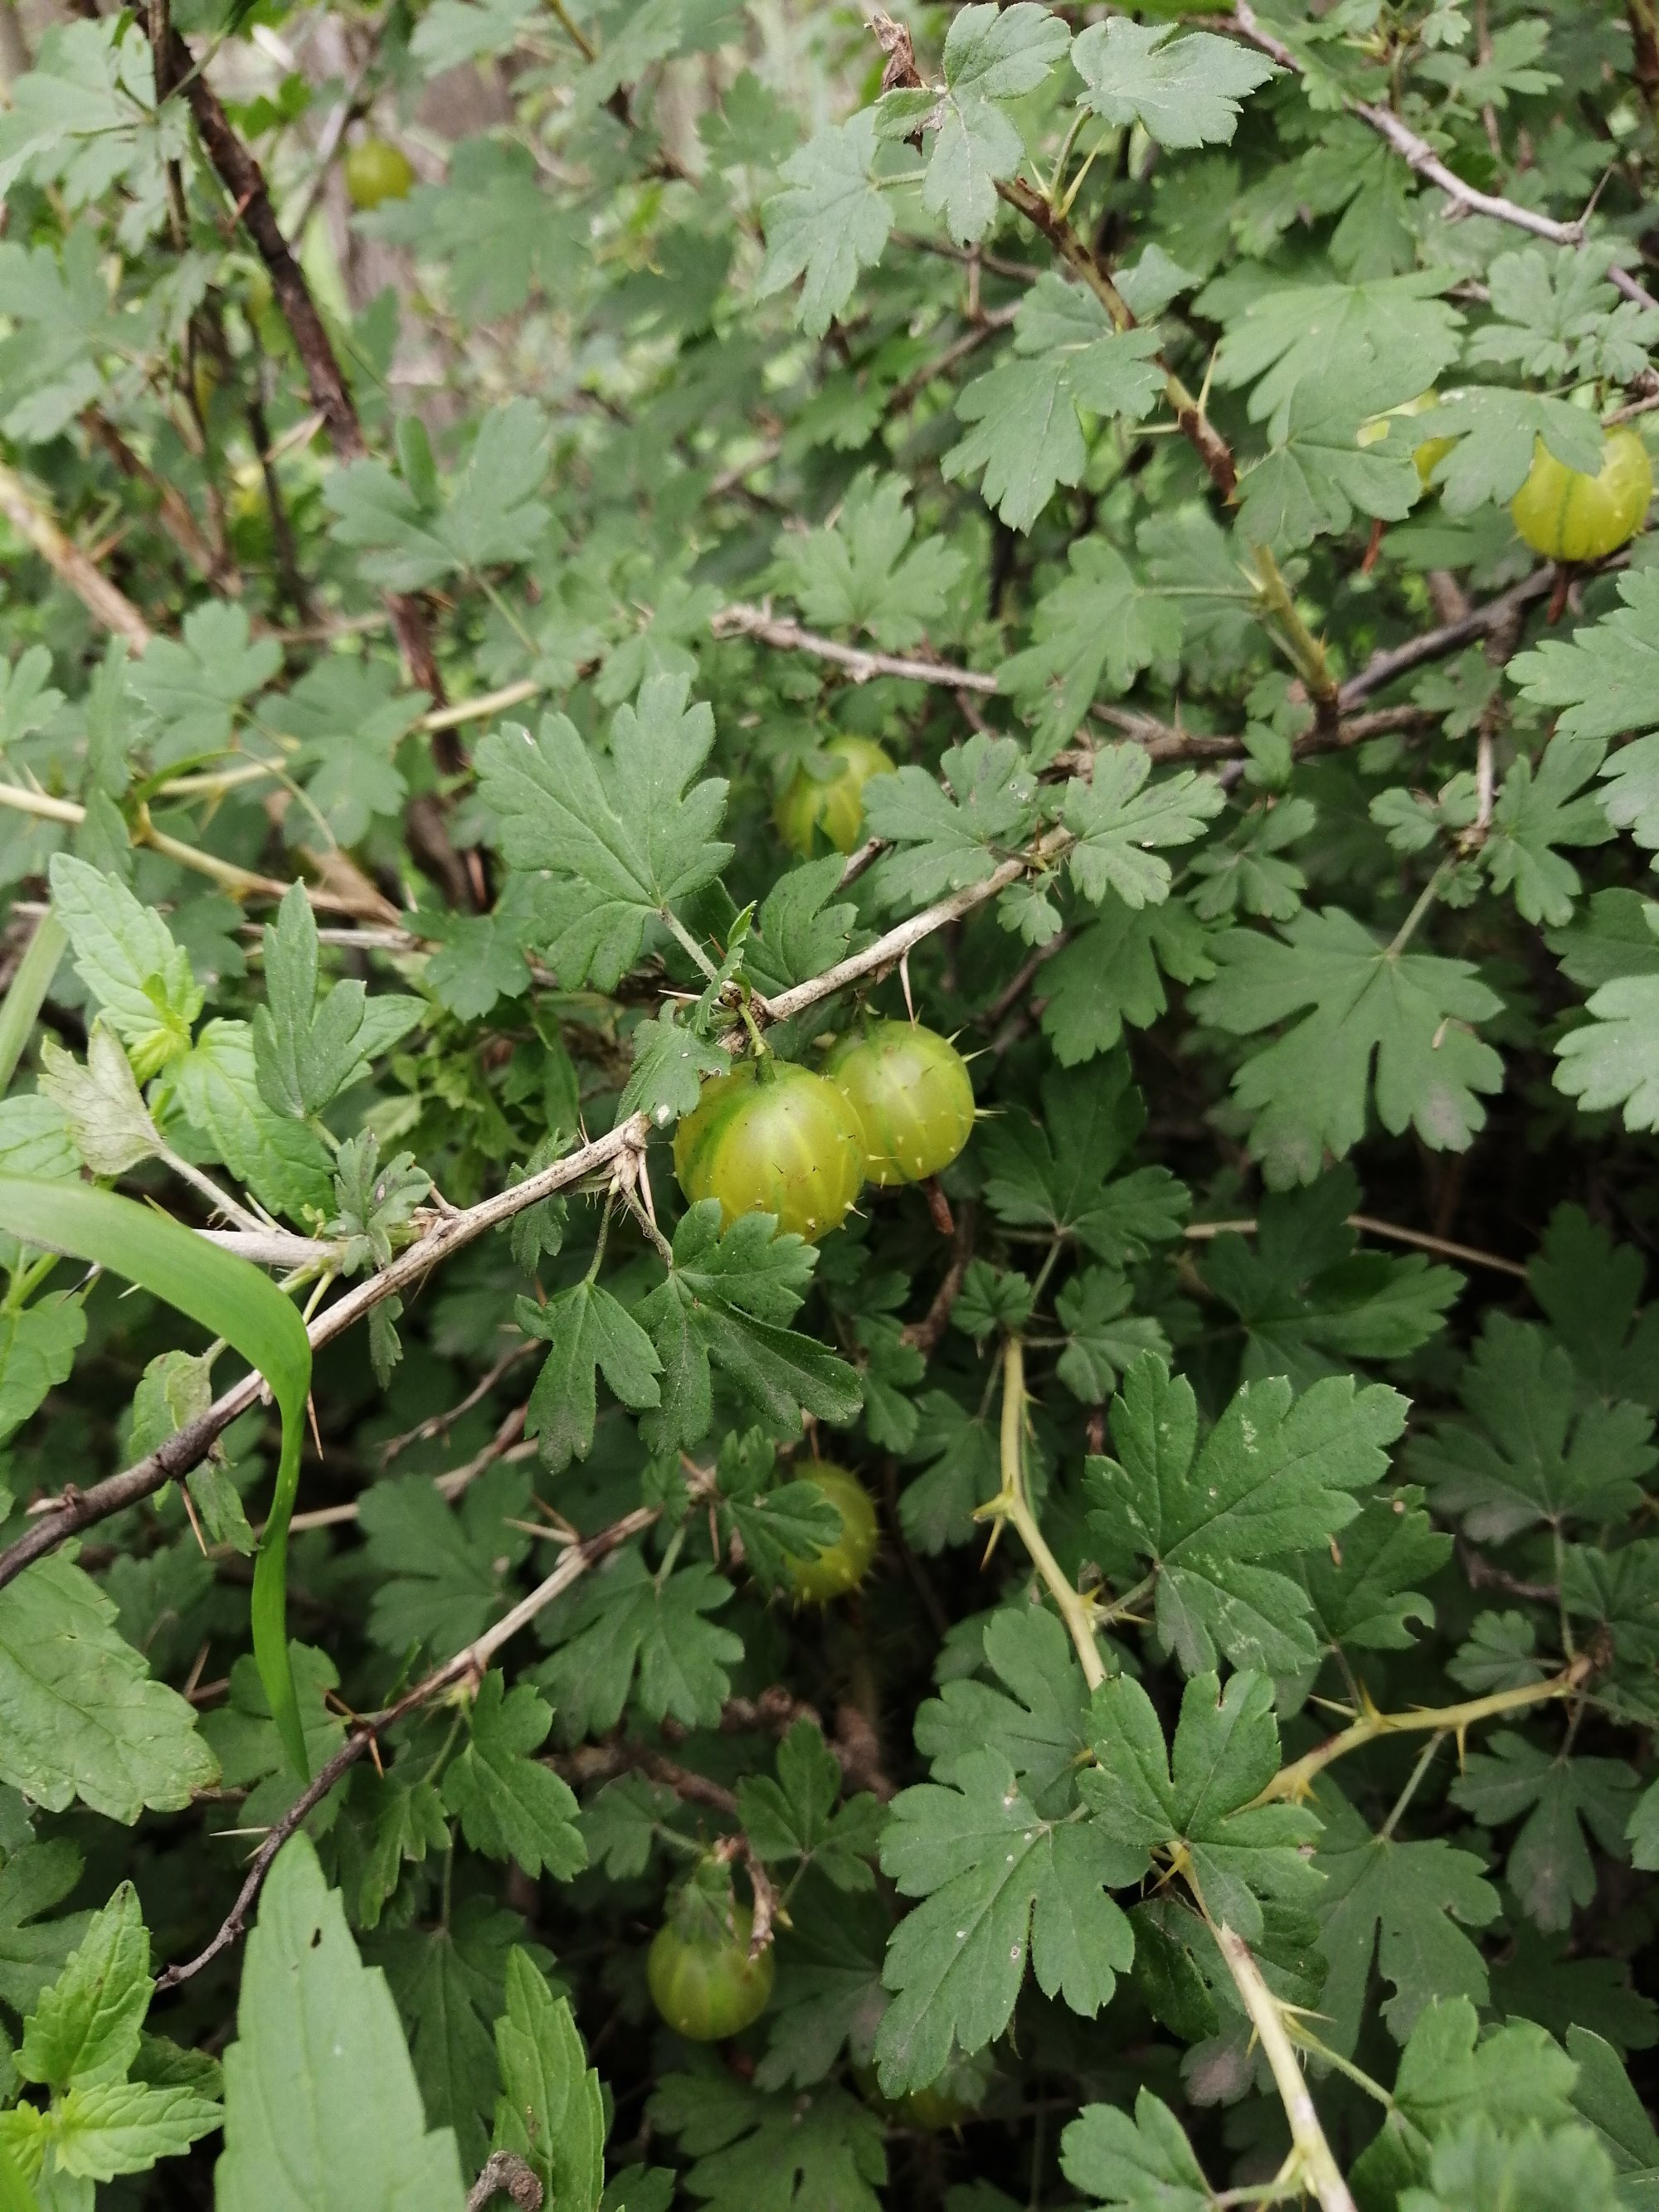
<point>1073,250</point>
<point>467,1666</point>
<point>1315,2160</point>
<point>1295,1780</point>
<point>1043,212</point>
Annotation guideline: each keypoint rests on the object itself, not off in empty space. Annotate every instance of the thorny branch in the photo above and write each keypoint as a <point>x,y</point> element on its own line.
<point>504,2175</point>
<point>896,942</point>
<point>1315,2159</point>
<point>467,1666</point>
<point>740,620</point>
<point>244,179</point>
<point>1316,2162</point>
<point>361,898</point>
<point>1370,1225</point>
<point>1421,157</point>
<point>924,1336</point>
<point>172,512</point>
<point>450,1230</point>
<point>770,1711</point>
<point>1450,637</point>
<point>1195,424</point>
<point>1295,1780</point>
<point>37,527</point>
<point>1163,741</point>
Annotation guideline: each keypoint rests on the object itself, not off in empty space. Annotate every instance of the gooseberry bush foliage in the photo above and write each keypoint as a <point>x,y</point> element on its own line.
<point>555,552</point>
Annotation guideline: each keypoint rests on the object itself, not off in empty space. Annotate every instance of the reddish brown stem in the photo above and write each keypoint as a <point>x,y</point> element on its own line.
<point>1195,425</point>
<point>900,71</point>
<point>244,179</point>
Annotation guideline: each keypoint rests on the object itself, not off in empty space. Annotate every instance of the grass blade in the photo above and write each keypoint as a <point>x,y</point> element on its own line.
<point>234,1301</point>
<point>27,993</point>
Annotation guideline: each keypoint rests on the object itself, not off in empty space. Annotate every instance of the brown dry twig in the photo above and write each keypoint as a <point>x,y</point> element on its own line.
<point>900,72</point>
<point>438,1425</point>
<point>742,620</point>
<point>591,1765</point>
<point>172,512</point>
<point>890,949</point>
<point>244,179</point>
<point>1382,668</point>
<point>33,522</point>
<point>977,335</point>
<point>1369,1226</point>
<point>447,1232</point>
<point>504,2175</point>
<point>1482,1573</point>
<point>924,1336</point>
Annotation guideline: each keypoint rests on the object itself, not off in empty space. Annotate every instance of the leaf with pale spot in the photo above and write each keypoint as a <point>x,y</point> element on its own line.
<point>996,1879</point>
<point>1183,91</point>
<point>1220,1522</point>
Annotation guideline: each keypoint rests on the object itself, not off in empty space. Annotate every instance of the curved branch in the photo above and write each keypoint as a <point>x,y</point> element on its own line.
<point>1437,644</point>
<point>896,942</point>
<point>1195,424</point>
<point>244,180</point>
<point>77,1510</point>
<point>1421,157</point>
<point>1313,2150</point>
<point>239,882</point>
<point>1013,1504</point>
<point>1294,1781</point>
<point>1213,449</point>
<point>468,1664</point>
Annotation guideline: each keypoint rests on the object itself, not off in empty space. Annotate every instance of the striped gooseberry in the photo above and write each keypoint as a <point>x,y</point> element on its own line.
<point>1570,516</point>
<point>699,1972</point>
<point>772,1137</point>
<point>909,1087</point>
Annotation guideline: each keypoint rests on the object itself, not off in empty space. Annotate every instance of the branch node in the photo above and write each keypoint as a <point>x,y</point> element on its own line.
<point>505,2175</point>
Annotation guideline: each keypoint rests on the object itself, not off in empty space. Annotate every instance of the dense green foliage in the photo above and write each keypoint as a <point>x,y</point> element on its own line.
<point>735,530</point>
